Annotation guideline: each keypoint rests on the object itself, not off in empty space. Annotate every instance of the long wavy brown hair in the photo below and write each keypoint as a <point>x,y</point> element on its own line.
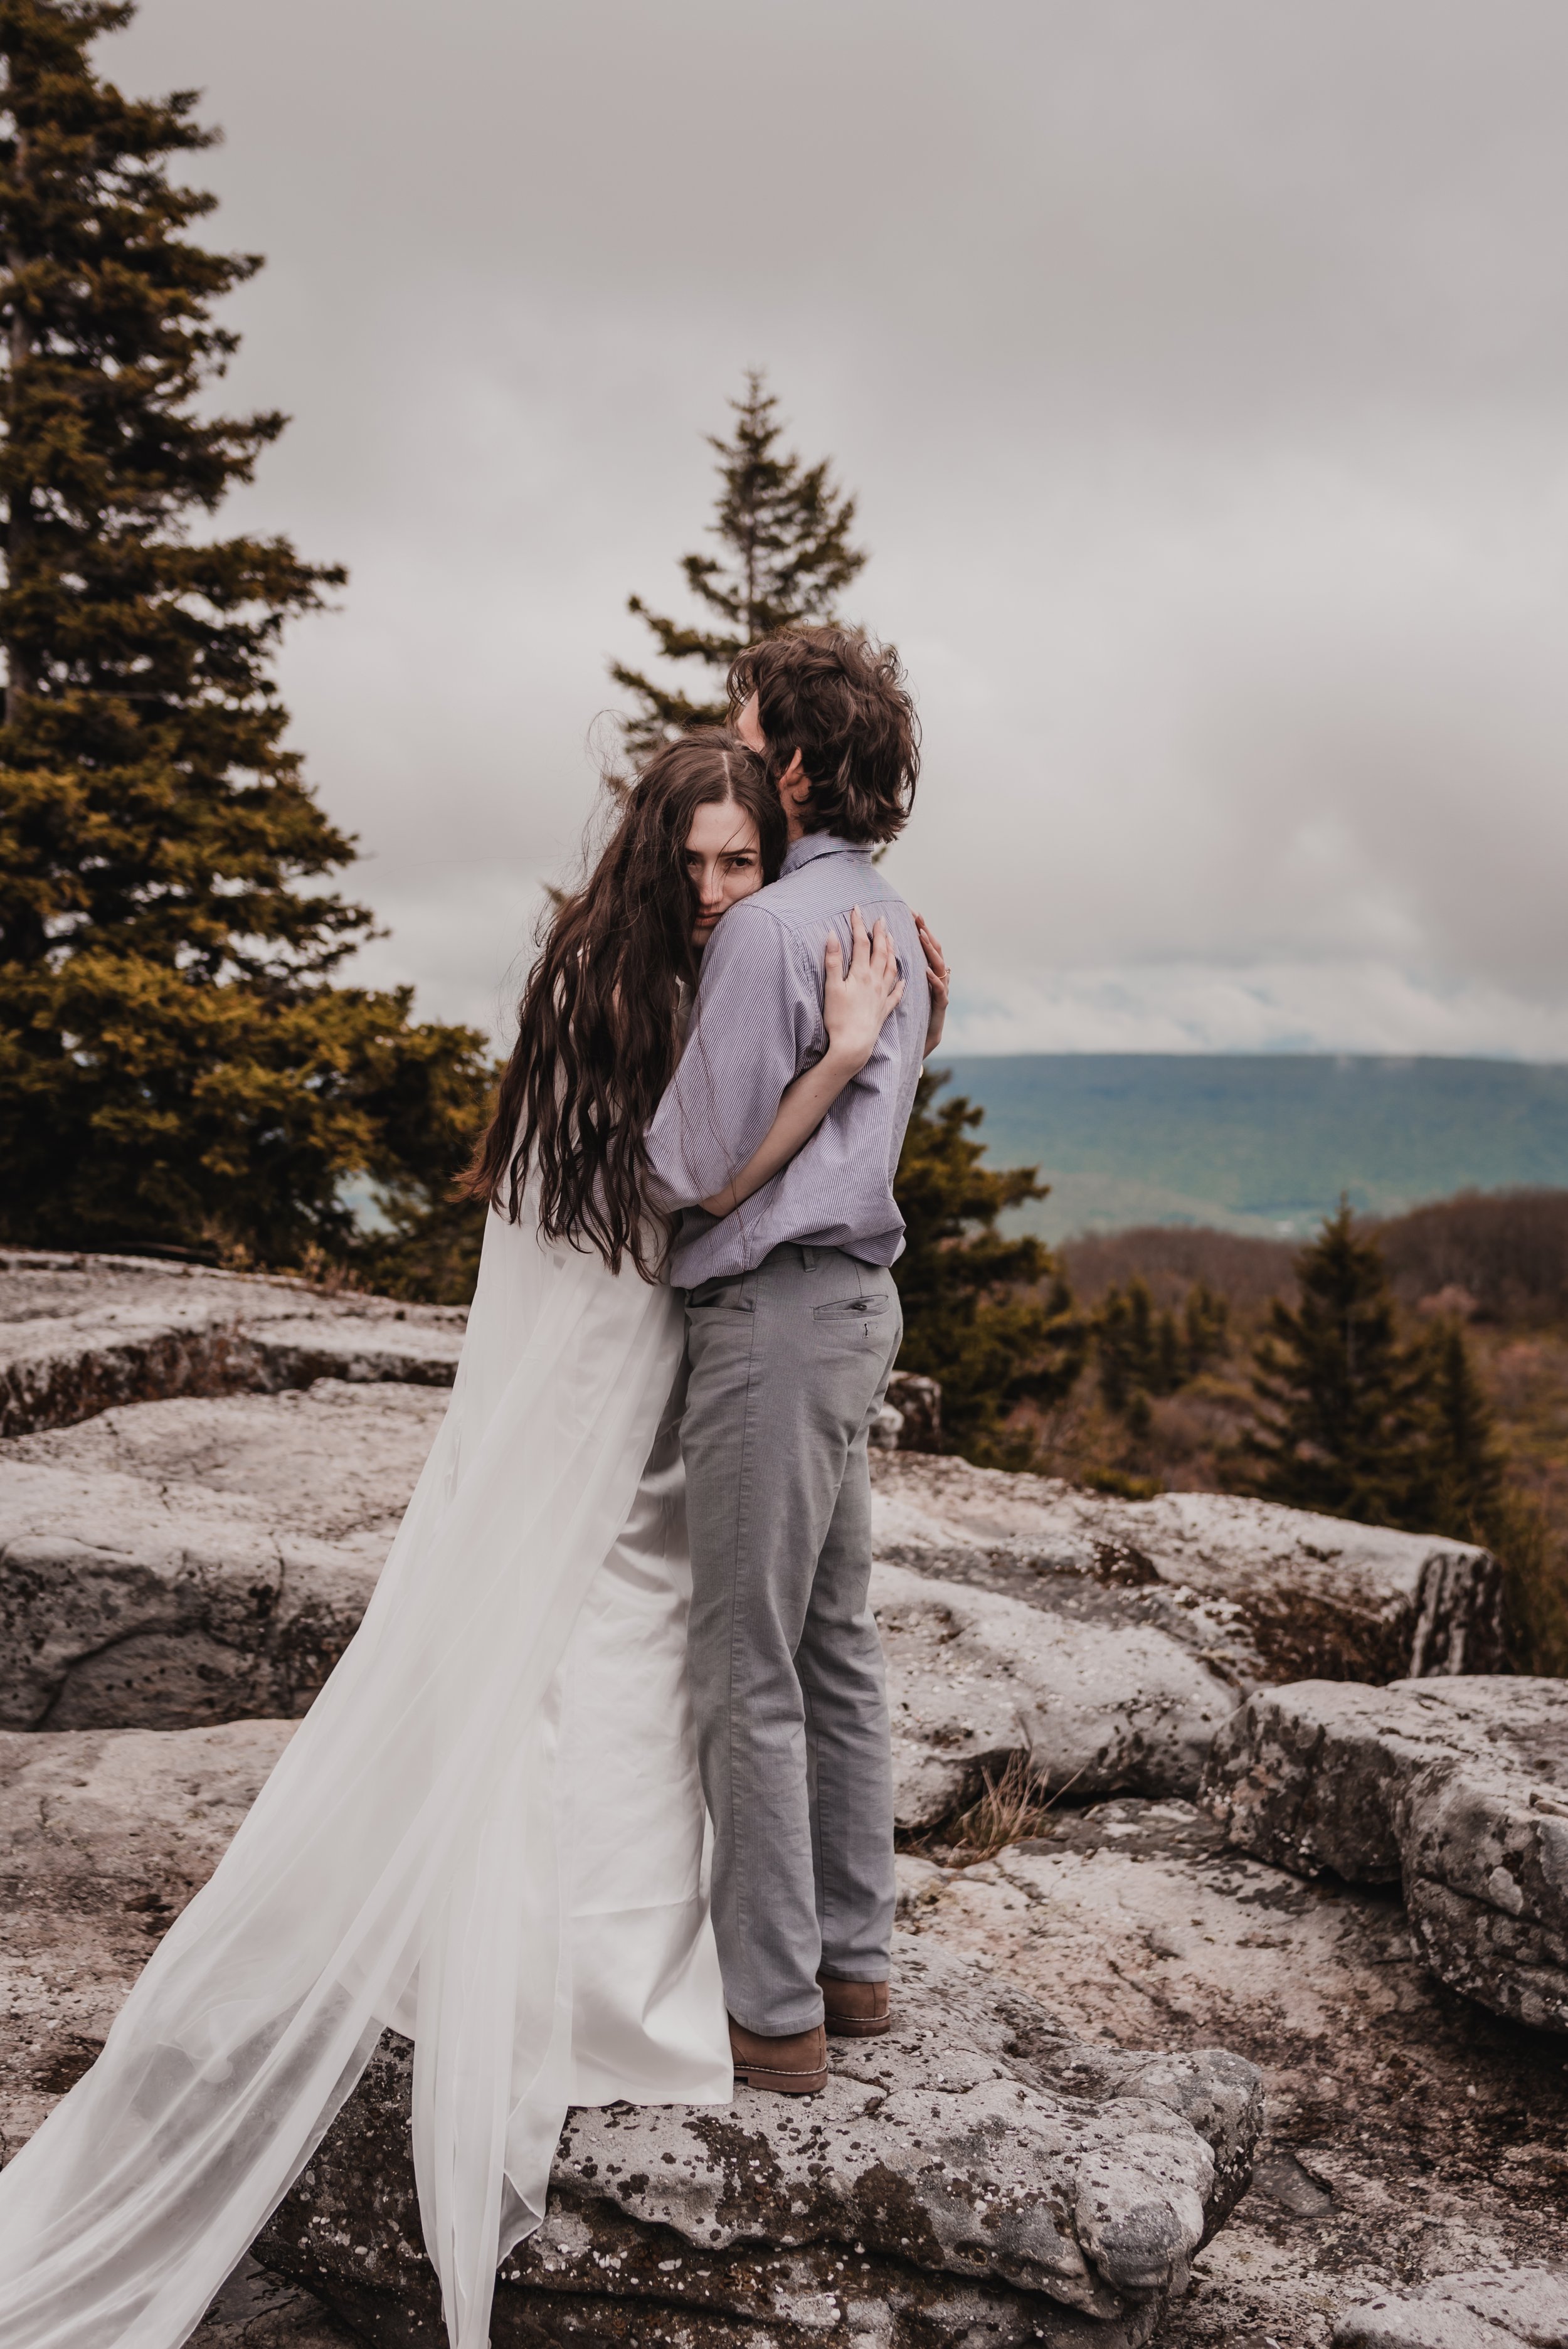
<point>598,1025</point>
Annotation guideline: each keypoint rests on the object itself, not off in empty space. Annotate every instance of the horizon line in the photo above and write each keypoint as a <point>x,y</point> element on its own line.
<point>1243,1052</point>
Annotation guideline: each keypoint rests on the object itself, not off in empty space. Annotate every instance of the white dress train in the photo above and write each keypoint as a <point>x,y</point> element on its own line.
<point>487,1833</point>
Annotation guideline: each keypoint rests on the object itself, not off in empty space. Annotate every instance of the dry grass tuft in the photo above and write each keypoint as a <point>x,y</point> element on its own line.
<point>1012,1808</point>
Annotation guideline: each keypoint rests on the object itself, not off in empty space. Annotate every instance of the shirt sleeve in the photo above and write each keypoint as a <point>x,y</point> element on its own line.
<point>758,1023</point>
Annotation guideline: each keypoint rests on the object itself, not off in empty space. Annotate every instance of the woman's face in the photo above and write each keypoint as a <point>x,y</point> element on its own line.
<point>723,859</point>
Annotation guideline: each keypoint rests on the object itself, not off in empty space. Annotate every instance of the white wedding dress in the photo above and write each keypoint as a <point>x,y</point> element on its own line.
<point>487,1834</point>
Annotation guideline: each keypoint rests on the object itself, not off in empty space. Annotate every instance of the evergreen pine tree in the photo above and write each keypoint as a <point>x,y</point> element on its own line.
<point>1206,1319</point>
<point>783,529</point>
<point>969,1318</point>
<point>1469,1494</point>
<point>1139,1352</point>
<point>1170,1362</point>
<point>1110,1325</point>
<point>1343,1418</point>
<point>175,1064</point>
<point>1467,1479</point>
<point>1141,1334</point>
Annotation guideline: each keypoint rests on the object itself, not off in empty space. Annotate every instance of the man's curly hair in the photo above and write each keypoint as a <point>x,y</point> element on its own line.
<point>840,699</point>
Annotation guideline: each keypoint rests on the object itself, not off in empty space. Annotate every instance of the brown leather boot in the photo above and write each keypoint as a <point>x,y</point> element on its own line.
<point>856,2010</point>
<point>796,2066</point>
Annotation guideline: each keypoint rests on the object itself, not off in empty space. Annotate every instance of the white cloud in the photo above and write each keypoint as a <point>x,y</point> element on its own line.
<point>1202,372</point>
<point>1191,1006</point>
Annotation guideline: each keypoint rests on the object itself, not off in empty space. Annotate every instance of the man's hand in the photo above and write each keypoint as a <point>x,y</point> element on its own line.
<point>939,979</point>
<point>855,1002</point>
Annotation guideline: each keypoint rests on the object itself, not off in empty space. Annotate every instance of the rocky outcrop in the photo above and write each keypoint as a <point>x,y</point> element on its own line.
<point>1457,1790</point>
<point>1104,1642</point>
<point>79,1334</point>
<point>205,1559</point>
<point>258,2311</point>
<point>1300,1596</point>
<point>910,1419</point>
<point>978,2174</point>
<point>104,1836</point>
<point>208,1554</point>
<point>1114,1698</point>
<point>1411,2135</point>
<point>1492,2310</point>
<point>199,1560</point>
<point>983,2165</point>
<point>169,1563</point>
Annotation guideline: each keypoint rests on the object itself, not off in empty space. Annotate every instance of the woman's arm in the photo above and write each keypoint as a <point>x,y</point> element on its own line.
<point>855,1002</point>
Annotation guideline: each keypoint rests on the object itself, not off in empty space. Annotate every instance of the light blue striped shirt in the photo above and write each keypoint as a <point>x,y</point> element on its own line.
<point>756,1025</point>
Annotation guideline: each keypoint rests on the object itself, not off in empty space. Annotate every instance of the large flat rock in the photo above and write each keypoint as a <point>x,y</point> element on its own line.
<point>1411,2136</point>
<point>1457,1790</point>
<point>1109,1700</point>
<point>981,2168</point>
<point>1490,2310</point>
<point>1300,1596</point>
<point>81,1334</point>
<point>977,2175</point>
<point>208,1558</point>
<point>205,1559</point>
<point>104,1836</point>
<point>198,1560</point>
<point>258,2311</point>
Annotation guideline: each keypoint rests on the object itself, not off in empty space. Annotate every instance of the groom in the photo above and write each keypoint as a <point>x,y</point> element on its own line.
<point>792,1327</point>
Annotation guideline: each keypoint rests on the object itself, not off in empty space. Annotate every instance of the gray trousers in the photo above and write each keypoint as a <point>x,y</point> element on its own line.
<point>787,1367</point>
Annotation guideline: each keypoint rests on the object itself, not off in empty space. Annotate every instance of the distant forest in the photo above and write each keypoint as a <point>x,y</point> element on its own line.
<point>1487,1273</point>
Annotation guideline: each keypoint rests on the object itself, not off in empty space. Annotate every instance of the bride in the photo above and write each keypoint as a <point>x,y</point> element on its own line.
<point>488,1832</point>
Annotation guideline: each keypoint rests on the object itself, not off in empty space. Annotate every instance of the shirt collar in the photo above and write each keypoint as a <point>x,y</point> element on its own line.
<point>815,844</point>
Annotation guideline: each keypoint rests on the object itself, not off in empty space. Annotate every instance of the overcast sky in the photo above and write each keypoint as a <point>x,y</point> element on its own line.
<point>1201,366</point>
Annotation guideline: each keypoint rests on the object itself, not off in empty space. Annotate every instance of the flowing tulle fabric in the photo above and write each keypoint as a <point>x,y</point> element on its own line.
<point>400,1867</point>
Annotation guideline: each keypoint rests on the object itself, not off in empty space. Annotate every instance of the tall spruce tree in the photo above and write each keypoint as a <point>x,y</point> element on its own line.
<point>1345,1407</point>
<point>783,529</point>
<point>991,1318</point>
<point>175,1063</point>
<point>1466,1493</point>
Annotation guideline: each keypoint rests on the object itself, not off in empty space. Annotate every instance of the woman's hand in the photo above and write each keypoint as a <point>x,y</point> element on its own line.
<point>939,979</point>
<point>856,1001</point>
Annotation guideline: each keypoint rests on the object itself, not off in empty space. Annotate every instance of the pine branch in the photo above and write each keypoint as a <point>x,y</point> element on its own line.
<point>784,558</point>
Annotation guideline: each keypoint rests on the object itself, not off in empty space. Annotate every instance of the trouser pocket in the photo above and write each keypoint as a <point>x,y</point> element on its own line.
<point>729,1293</point>
<point>867,1318</point>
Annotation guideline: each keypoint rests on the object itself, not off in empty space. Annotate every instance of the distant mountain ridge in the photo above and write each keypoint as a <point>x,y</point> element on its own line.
<point>1261,1142</point>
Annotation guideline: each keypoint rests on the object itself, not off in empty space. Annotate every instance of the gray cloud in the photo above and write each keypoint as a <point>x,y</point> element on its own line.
<point>1203,373</point>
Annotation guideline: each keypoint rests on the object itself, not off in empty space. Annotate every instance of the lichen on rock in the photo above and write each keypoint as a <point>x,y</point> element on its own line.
<point>978,2174</point>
